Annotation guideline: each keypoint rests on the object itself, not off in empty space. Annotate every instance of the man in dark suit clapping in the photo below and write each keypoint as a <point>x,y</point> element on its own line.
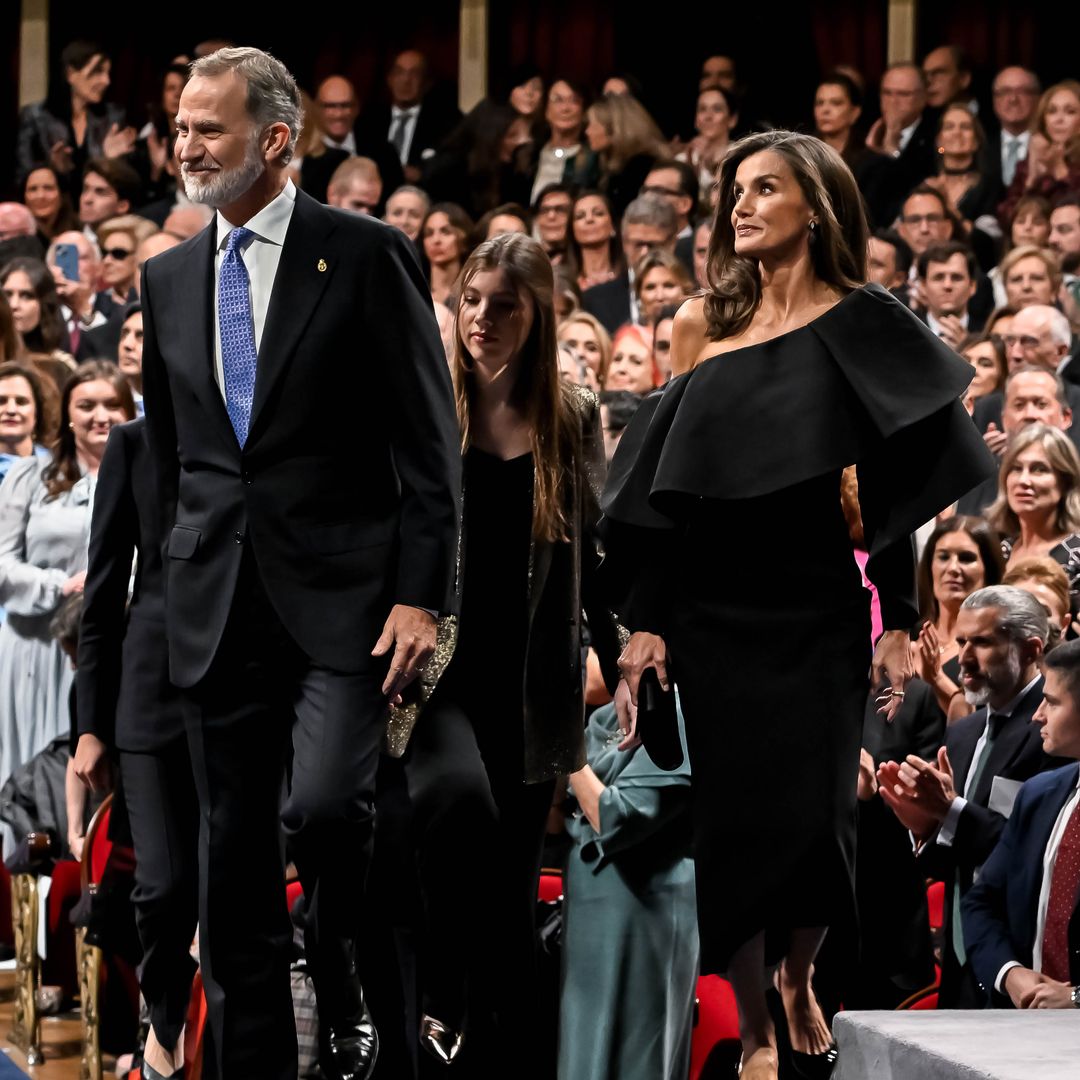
<point>303,432</point>
<point>956,806</point>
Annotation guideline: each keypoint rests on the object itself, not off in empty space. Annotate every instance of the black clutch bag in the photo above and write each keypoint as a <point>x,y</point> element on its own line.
<point>657,724</point>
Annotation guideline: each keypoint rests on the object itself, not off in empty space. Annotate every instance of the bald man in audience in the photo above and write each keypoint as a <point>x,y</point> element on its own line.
<point>18,232</point>
<point>1041,335</point>
<point>356,185</point>
<point>186,221</point>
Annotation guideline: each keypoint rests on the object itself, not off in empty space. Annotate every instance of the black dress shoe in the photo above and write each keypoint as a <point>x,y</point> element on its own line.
<point>440,1041</point>
<point>350,1049</point>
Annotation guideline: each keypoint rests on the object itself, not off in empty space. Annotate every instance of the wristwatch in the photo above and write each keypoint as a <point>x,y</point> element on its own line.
<point>1076,997</point>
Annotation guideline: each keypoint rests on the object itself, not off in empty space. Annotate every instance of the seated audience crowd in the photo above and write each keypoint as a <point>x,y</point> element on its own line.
<point>976,228</point>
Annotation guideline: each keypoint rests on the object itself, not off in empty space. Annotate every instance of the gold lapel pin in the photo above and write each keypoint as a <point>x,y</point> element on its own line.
<point>322,266</point>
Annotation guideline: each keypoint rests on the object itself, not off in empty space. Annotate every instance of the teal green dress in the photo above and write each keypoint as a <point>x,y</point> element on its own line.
<point>630,943</point>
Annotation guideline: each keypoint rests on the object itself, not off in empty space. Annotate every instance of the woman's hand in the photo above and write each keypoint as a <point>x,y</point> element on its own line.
<point>92,763</point>
<point>643,651</point>
<point>927,650</point>
<point>891,672</point>
<point>118,141</point>
<point>60,157</point>
<point>626,713</point>
<point>74,584</point>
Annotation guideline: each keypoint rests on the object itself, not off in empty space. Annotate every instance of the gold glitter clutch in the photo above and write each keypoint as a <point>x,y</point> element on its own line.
<point>403,717</point>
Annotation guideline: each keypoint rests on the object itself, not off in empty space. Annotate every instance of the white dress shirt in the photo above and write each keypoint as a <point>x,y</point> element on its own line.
<point>348,144</point>
<point>261,254</point>
<point>1021,142</point>
<point>935,326</point>
<point>411,115</point>
<point>947,832</point>
<point>1049,859</point>
<point>905,136</point>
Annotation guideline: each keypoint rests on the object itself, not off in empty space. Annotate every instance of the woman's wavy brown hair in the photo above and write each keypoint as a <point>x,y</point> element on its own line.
<point>539,393</point>
<point>837,246</point>
<point>62,473</point>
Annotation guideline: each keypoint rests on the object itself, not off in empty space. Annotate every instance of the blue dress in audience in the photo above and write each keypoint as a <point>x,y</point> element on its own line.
<point>43,542</point>
<point>630,946</point>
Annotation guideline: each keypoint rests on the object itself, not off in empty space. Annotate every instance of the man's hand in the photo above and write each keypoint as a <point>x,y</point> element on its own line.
<point>412,632</point>
<point>908,812</point>
<point>928,784</point>
<point>881,139</point>
<point>995,440</point>
<point>952,330</point>
<point>1020,984</point>
<point>1047,994</point>
<point>92,763</point>
<point>75,294</point>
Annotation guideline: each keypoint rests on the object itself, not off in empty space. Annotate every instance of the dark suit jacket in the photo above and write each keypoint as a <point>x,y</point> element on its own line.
<point>886,181</point>
<point>563,584</point>
<point>436,120</point>
<point>1000,911</point>
<point>346,490</point>
<point>122,682</point>
<point>609,302</point>
<point>1017,754</point>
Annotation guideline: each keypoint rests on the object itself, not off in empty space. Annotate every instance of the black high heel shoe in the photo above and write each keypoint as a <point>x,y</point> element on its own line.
<point>440,1041</point>
<point>793,1062</point>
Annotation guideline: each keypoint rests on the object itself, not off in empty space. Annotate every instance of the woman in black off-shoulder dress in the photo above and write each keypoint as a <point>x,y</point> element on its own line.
<point>727,486</point>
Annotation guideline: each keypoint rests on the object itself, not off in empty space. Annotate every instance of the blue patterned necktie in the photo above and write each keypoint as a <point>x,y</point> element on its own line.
<point>239,356</point>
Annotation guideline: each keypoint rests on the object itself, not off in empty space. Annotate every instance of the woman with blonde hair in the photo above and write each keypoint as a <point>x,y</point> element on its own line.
<point>1052,165</point>
<point>1037,510</point>
<point>1044,578</point>
<point>1030,275</point>
<point>660,279</point>
<point>585,334</point>
<point>627,143</point>
<point>500,725</point>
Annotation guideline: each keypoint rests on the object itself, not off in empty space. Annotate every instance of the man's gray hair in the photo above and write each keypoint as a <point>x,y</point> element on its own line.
<point>272,94</point>
<point>1057,324</point>
<point>651,210</point>
<point>1022,615</point>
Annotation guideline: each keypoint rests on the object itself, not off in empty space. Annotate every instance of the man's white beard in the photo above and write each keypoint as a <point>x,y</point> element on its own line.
<point>221,187</point>
<point>1007,673</point>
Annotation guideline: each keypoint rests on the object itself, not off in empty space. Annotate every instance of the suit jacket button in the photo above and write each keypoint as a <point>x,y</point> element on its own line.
<point>238,537</point>
<point>246,477</point>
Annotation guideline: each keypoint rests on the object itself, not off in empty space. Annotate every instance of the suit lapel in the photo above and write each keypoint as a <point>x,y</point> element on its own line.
<point>1009,744</point>
<point>965,751</point>
<point>307,264</point>
<point>199,281</point>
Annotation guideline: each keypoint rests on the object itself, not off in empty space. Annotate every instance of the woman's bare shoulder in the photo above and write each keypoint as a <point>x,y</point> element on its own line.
<point>689,335</point>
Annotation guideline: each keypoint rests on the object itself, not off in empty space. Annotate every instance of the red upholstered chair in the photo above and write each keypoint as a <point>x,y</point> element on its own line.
<point>99,853</point>
<point>551,890</point>
<point>717,1022</point>
<point>927,998</point>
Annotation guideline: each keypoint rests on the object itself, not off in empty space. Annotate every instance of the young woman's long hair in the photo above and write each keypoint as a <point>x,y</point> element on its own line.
<point>629,126</point>
<point>538,393</point>
<point>837,247</point>
<point>62,473</point>
<point>50,332</point>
